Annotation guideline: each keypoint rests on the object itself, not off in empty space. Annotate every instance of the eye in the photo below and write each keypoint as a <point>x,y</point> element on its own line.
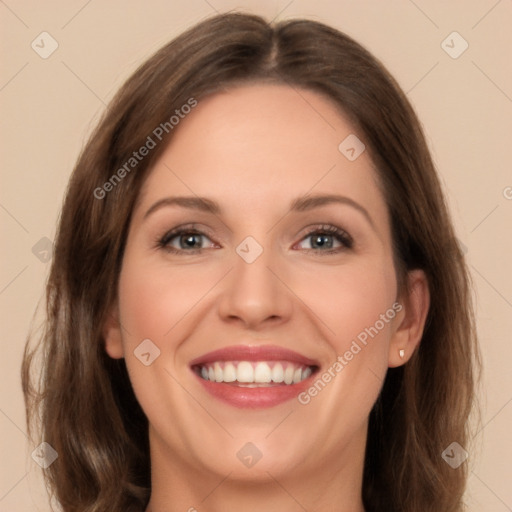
<point>185,240</point>
<point>321,239</point>
<point>327,239</point>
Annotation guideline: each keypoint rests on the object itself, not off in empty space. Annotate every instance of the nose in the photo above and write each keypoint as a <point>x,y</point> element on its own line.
<point>254,294</point>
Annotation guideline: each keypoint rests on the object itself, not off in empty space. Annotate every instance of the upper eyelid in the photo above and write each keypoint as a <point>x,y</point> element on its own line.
<point>192,227</point>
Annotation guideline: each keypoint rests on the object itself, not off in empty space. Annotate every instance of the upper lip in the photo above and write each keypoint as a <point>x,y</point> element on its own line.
<point>254,353</point>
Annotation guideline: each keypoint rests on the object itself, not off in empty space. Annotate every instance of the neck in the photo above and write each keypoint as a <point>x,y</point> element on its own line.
<point>336,484</point>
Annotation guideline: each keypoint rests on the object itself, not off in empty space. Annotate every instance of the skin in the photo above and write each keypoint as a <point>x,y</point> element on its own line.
<point>253,150</point>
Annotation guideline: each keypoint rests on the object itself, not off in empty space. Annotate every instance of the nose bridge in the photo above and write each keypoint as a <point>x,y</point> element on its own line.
<point>252,293</point>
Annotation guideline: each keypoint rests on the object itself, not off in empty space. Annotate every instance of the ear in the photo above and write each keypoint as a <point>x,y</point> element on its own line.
<point>112,334</point>
<point>410,321</point>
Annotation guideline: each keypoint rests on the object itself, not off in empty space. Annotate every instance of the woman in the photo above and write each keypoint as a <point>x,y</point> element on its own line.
<point>257,300</point>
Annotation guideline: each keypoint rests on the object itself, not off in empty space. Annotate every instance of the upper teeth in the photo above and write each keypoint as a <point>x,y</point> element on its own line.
<point>255,372</point>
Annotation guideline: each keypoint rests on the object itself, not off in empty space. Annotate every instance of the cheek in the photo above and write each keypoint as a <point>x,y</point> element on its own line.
<point>153,299</point>
<point>357,308</point>
<point>154,304</point>
<point>348,299</point>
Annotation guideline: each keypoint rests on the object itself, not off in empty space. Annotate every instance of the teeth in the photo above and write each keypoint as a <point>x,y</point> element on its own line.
<point>217,370</point>
<point>229,373</point>
<point>245,372</point>
<point>288,375</point>
<point>260,372</point>
<point>278,373</point>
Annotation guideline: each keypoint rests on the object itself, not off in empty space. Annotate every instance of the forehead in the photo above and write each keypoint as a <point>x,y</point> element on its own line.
<point>262,145</point>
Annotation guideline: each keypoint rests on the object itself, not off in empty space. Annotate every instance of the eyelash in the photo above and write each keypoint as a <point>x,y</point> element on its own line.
<point>340,235</point>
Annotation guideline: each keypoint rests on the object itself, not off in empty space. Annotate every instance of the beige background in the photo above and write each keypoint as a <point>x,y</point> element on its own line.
<point>48,107</point>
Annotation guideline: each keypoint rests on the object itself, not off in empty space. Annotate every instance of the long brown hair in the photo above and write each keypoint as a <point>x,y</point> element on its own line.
<point>82,402</point>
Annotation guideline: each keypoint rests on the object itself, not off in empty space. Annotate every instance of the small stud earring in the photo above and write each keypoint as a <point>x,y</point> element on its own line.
<point>401,353</point>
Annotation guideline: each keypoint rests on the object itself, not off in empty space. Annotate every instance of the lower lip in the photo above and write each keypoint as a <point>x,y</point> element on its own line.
<point>244,397</point>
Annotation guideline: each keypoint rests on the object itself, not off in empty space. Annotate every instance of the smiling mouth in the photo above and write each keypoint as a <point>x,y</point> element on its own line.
<point>254,374</point>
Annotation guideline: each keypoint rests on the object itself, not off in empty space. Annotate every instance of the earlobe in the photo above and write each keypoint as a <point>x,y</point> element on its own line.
<point>410,323</point>
<point>112,335</point>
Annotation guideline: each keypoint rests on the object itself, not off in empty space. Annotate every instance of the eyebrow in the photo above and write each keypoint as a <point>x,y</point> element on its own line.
<point>192,202</point>
<point>309,202</point>
<point>301,204</point>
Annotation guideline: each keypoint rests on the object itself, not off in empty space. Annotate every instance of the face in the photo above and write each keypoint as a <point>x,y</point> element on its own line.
<point>259,266</point>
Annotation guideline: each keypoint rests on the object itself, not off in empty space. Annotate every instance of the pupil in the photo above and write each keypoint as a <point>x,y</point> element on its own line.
<point>323,241</point>
<point>189,240</point>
